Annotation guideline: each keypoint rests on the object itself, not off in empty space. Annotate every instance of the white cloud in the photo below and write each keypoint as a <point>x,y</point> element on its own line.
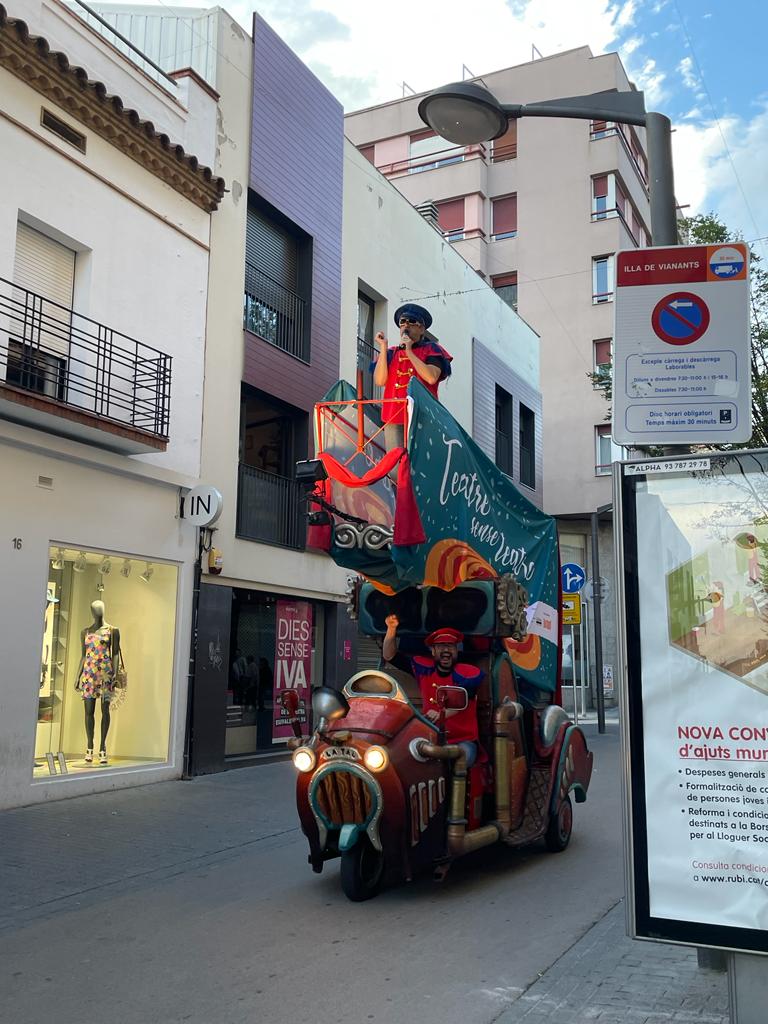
<point>651,80</point>
<point>706,170</point>
<point>629,46</point>
<point>690,78</point>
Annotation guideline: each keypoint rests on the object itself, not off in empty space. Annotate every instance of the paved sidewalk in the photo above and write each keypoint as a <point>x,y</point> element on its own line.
<point>607,978</point>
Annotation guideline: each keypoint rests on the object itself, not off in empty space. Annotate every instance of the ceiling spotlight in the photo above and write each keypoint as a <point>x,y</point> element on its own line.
<point>146,576</point>
<point>126,569</point>
<point>106,566</point>
<point>58,561</point>
<point>80,564</point>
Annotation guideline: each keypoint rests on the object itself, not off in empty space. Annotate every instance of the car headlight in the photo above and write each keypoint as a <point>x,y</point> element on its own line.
<point>304,759</point>
<point>376,758</point>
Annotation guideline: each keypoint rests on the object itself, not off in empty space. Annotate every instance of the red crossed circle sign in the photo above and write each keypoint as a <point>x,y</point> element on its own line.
<point>680,318</point>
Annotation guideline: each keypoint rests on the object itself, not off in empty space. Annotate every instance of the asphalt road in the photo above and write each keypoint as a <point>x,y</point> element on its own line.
<point>240,930</point>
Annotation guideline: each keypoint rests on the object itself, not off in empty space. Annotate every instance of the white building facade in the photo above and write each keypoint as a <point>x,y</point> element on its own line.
<point>105,220</point>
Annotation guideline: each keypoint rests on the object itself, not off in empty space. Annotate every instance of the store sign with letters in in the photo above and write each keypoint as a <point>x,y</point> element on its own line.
<point>695,637</point>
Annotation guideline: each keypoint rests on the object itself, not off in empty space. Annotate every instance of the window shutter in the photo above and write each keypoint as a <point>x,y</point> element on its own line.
<point>505,147</point>
<point>368,153</point>
<point>599,126</point>
<point>450,215</point>
<point>502,280</point>
<point>602,351</point>
<point>505,215</point>
<point>46,268</point>
<point>600,186</point>
<point>271,249</point>
<point>368,653</point>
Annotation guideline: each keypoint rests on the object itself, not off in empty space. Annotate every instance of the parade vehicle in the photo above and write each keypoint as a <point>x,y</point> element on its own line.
<point>434,533</point>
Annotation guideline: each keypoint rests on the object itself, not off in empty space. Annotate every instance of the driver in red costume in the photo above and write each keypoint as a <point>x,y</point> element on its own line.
<point>442,669</point>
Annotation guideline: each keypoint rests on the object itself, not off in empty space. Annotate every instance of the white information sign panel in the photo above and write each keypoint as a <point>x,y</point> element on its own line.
<point>681,345</point>
<point>698,703</point>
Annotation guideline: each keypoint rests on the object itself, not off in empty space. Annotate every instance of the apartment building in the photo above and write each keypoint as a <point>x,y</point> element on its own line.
<point>106,206</point>
<point>540,214</point>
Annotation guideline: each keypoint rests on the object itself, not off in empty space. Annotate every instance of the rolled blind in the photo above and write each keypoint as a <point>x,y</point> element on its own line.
<point>450,215</point>
<point>505,215</point>
<point>600,186</point>
<point>272,249</point>
<point>46,268</point>
<point>502,280</point>
<point>505,147</point>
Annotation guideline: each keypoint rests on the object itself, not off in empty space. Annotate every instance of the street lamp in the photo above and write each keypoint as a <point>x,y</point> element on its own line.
<point>466,114</point>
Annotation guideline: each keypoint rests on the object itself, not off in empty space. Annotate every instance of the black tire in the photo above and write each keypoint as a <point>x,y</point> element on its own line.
<point>558,833</point>
<point>362,871</point>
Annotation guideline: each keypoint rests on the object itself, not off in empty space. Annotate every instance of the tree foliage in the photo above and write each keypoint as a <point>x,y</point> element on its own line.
<point>708,229</point>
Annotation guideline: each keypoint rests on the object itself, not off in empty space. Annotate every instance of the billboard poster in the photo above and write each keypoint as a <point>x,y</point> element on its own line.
<point>696,584</point>
<point>293,664</point>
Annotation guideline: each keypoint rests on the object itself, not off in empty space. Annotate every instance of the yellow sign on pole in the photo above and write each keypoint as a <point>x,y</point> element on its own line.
<point>571,609</point>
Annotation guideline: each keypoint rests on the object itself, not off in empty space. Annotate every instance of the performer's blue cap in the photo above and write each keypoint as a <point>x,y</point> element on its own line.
<point>415,313</point>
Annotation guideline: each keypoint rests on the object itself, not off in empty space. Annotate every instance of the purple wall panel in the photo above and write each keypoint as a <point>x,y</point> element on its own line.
<point>297,162</point>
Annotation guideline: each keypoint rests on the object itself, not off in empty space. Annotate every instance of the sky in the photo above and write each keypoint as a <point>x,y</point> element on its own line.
<point>699,61</point>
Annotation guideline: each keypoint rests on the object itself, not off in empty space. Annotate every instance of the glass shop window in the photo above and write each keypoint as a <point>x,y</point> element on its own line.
<point>106,667</point>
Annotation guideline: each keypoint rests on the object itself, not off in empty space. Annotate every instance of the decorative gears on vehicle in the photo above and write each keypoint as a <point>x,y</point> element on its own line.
<point>511,602</point>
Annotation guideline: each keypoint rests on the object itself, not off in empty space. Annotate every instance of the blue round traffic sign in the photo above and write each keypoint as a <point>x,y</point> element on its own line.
<point>572,578</point>
<point>680,318</point>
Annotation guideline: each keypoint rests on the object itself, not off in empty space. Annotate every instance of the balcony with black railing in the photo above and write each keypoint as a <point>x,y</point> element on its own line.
<point>271,508</point>
<point>68,374</point>
<point>275,313</point>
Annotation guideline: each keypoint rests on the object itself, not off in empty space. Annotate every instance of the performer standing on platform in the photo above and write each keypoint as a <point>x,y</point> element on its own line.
<point>394,367</point>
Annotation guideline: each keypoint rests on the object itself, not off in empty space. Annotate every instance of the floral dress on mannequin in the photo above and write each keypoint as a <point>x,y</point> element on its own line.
<point>97,678</point>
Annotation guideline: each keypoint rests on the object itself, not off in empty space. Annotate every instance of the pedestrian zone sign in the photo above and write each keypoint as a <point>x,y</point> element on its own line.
<point>681,345</point>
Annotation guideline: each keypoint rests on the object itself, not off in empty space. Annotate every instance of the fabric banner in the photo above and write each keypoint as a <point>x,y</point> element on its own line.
<point>293,664</point>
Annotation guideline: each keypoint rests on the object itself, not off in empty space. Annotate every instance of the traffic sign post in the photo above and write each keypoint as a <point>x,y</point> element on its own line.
<point>681,346</point>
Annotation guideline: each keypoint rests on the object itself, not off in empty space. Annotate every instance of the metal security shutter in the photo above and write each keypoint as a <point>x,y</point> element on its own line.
<point>271,249</point>
<point>46,268</point>
<point>368,652</point>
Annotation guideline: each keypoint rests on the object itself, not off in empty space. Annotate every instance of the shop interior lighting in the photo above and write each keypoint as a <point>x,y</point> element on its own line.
<point>58,561</point>
<point>146,576</point>
<point>105,568</point>
<point>126,569</point>
<point>81,563</point>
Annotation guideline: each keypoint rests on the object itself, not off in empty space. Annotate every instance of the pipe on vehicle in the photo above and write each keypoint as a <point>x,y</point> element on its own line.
<point>460,841</point>
<point>503,717</point>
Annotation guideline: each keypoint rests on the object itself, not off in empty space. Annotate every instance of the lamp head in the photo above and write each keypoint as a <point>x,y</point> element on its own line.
<point>464,113</point>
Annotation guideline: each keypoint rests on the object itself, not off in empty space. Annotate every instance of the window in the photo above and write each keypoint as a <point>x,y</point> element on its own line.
<point>505,286</point>
<point>504,217</point>
<point>602,279</point>
<point>599,130</point>
<point>426,145</point>
<point>112,610</point>
<point>366,353</point>
<point>606,452</point>
<point>368,153</point>
<point>450,217</point>
<point>602,350</point>
<point>33,370</point>
<point>600,197</point>
<point>505,147</point>
<point>504,430</point>
<point>278,275</point>
<point>527,446</point>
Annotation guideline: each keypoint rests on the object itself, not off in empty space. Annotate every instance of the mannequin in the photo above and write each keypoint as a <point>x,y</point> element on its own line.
<point>96,676</point>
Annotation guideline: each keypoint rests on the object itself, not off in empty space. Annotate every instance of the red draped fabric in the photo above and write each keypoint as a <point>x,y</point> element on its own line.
<point>408,526</point>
